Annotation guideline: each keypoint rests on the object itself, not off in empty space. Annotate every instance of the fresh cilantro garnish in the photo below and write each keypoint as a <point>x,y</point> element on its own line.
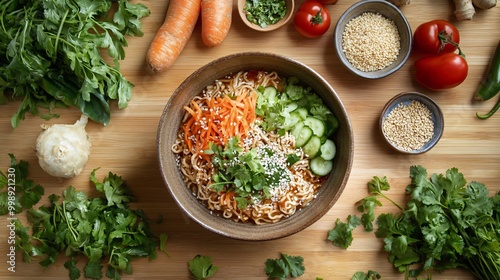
<point>50,55</point>
<point>341,234</point>
<point>20,192</point>
<point>104,229</point>
<point>284,267</point>
<point>201,267</point>
<point>252,174</point>
<point>265,12</point>
<point>371,275</point>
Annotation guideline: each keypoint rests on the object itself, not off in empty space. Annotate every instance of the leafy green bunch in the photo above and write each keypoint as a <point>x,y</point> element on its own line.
<point>50,54</point>
<point>447,223</point>
<point>104,229</point>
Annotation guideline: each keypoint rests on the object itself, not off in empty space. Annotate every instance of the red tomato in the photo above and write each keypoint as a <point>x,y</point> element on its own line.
<point>436,36</point>
<point>312,19</point>
<point>441,72</point>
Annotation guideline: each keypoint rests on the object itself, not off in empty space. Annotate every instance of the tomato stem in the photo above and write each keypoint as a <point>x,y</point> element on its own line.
<point>318,18</point>
<point>446,38</point>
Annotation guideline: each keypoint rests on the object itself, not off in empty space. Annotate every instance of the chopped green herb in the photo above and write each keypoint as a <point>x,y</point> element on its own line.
<point>253,175</point>
<point>265,12</point>
<point>201,267</point>
<point>284,267</point>
<point>50,55</point>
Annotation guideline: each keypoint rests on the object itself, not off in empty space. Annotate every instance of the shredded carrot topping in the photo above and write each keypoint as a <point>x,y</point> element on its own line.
<point>217,120</point>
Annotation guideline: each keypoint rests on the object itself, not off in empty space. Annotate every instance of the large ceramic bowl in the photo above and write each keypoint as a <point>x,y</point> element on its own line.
<point>171,119</point>
<point>387,10</point>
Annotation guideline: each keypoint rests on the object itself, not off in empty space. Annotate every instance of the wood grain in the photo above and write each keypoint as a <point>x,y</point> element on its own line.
<point>127,147</point>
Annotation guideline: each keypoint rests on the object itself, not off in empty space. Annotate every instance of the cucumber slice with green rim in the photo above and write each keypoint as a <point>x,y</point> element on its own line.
<point>270,94</point>
<point>292,120</point>
<point>302,112</point>
<point>328,150</point>
<point>291,107</point>
<point>317,126</point>
<point>303,136</point>
<point>320,166</point>
<point>313,147</point>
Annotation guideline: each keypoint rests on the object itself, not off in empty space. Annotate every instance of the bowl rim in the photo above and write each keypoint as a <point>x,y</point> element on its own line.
<point>263,234</point>
<point>289,13</point>
<point>437,117</point>
<point>338,43</point>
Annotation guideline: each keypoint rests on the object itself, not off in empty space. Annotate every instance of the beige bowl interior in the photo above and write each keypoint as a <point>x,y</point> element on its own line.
<point>193,85</point>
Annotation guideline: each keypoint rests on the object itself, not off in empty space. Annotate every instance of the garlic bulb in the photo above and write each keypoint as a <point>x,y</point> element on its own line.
<point>63,149</point>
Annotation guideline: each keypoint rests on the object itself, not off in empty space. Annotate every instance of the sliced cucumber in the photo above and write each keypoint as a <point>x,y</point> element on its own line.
<point>320,166</point>
<point>317,126</point>
<point>296,129</point>
<point>270,94</point>
<point>328,150</point>
<point>292,120</point>
<point>313,147</point>
<point>303,136</point>
<point>302,112</point>
<point>291,107</point>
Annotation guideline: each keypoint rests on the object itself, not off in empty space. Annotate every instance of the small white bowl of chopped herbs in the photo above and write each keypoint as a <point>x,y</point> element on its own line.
<point>373,39</point>
<point>265,15</point>
<point>411,123</point>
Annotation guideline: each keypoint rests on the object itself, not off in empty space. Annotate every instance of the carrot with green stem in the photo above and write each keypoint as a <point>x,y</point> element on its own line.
<point>173,34</point>
<point>216,16</point>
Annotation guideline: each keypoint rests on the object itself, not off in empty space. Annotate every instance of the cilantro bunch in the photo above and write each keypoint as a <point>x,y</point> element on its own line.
<point>447,223</point>
<point>50,55</point>
<point>103,229</point>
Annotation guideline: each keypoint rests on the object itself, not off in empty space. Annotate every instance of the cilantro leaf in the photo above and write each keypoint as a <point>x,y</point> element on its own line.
<point>371,275</point>
<point>341,234</point>
<point>285,266</point>
<point>74,272</point>
<point>201,267</point>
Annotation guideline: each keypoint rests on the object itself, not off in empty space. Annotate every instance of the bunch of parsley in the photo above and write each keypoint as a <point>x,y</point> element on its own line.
<point>447,223</point>
<point>104,229</point>
<point>50,55</point>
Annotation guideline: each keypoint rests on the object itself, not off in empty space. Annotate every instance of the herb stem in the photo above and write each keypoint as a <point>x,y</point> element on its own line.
<point>59,34</point>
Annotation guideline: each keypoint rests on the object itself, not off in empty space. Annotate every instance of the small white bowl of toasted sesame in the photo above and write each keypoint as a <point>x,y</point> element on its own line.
<point>411,123</point>
<point>373,39</point>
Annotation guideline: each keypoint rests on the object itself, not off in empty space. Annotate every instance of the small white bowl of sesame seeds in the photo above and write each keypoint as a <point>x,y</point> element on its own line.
<point>373,39</point>
<point>411,123</point>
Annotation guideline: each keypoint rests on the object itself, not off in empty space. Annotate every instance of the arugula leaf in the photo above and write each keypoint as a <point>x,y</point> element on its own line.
<point>341,234</point>
<point>201,267</point>
<point>285,266</point>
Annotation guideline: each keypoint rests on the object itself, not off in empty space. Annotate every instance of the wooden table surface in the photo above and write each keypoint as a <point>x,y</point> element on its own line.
<point>127,147</point>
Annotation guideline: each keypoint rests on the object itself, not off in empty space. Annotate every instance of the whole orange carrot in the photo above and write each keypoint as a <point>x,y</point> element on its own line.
<point>216,18</point>
<point>173,35</point>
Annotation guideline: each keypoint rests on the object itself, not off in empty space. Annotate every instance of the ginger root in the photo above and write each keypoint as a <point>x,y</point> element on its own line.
<point>464,9</point>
